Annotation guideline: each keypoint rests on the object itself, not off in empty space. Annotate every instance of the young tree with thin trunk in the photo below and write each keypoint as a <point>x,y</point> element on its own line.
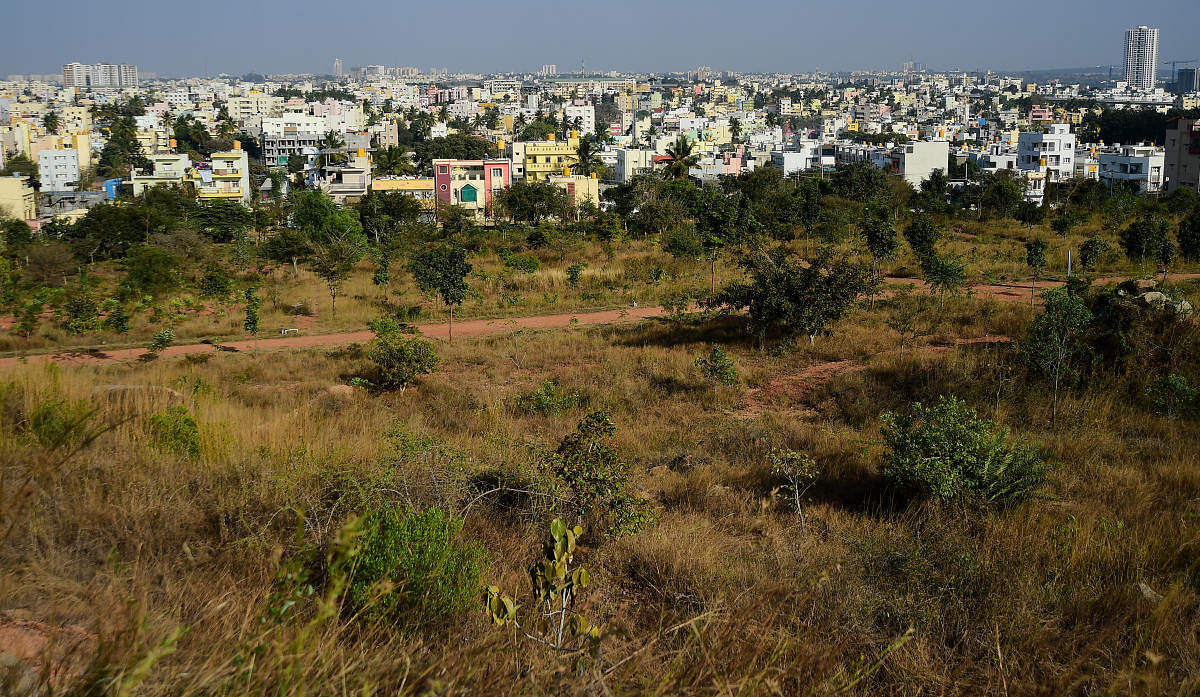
<point>1035,257</point>
<point>441,270</point>
<point>1055,338</point>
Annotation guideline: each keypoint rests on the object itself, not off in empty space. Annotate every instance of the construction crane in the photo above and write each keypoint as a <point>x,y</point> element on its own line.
<point>1175,70</point>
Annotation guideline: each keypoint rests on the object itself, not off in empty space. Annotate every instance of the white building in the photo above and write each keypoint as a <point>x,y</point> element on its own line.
<point>167,169</point>
<point>1140,165</point>
<point>1046,157</point>
<point>291,124</point>
<point>99,75</point>
<point>586,114</point>
<point>58,168</point>
<point>1141,58</point>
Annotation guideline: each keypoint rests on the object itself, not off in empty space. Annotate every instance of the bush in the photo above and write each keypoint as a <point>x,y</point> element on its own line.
<point>163,338</point>
<point>150,269</point>
<point>399,359</point>
<point>413,566</point>
<point>549,398</point>
<point>1172,395</point>
<point>949,452</point>
<point>718,367</point>
<point>525,263</point>
<point>55,423</point>
<point>574,273</point>
<point>176,431</point>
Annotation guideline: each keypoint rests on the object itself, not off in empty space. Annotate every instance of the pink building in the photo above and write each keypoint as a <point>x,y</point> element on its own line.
<point>471,183</point>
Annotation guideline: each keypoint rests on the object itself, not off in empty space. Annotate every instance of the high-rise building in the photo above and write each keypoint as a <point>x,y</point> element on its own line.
<point>548,70</point>
<point>337,67</point>
<point>1141,58</point>
<point>1187,81</point>
<point>99,75</point>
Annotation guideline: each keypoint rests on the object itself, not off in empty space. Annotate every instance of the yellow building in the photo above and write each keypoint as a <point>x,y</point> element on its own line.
<point>17,198</point>
<point>420,188</point>
<point>225,176</point>
<point>544,158</point>
<point>579,188</point>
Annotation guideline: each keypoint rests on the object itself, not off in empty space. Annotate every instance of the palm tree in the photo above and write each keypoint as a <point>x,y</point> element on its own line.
<point>589,157</point>
<point>681,159</point>
<point>330,145</point>
<point>393,160</point>
<point>735,129</point>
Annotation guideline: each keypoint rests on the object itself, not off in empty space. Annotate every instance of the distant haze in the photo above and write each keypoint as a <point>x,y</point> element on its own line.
<point>272,36</point>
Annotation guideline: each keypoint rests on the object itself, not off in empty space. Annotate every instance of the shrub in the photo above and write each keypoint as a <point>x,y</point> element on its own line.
<point>525,263</point>
<point>215,284</point>
<point>718,367</point>
<point>80,311</point>
<point>413,566</point>
<point>55,422</point>
<point>116,318</point>
<point>549,398</point>
<point>1172,395</point>
<point>176,431</point>
<point>574,273</point>
<point>799,472</point>
<point>597,478</point>
<point>151,269</point>
<point>949,452</point>
<point>163,338</point>
<point>399,359</point>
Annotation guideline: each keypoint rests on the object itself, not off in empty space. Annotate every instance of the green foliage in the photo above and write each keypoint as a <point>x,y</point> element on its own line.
<point>162,339</point>
<point>116,318</point>
<point>441,269</point>
<point>532,202</point>
<point>878,227</point>
<point>1035,256</point>
<point>215,284</point>
<point>27,322</point>
<point>1145,237</point>
<point>799,472</point>
<point>574,273</point>
<point>524,263</point>
<point>946,274</point>
<point>718,367</point>
<point>1093,251</point>
<point>175,430</point>
<point>1189,235</point>
<point>79,310</point>
<point>795,297</point>
<point>1067,219</point>
<point>253,303</point>
<point>1055,338</point>
<point>400,358</point>
<point>949,452</point>
<point>151,269</point>
<point>597,479</point>
<point>922,234</point>
<point>56,423</point>
<point>549,399</point>
<point>557,582</point>
<point>1172,396</point>
<point>411,568</point>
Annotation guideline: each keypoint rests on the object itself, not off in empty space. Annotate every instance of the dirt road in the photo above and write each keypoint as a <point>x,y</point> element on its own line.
<point>464,329</point>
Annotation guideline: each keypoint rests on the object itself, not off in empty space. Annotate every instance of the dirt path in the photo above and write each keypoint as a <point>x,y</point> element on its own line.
<point>785,393</point>
<point>464,329</point>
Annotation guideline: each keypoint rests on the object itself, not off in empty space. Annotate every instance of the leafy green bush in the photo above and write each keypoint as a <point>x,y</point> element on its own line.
<point>163,338</point>
<point>525,263</point>
<point>1172,395</point>
<point>597,479</point>
<point>718,367</point>
<point>56,422</point>
<point>399,359</point>
<point>949,452</point>
<point>176,431</point>
<point>549,398</point>
<point>574,273</point>
<point>412,566</point>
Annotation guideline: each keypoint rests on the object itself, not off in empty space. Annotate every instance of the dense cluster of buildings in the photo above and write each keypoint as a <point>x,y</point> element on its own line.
<point>909,123</point>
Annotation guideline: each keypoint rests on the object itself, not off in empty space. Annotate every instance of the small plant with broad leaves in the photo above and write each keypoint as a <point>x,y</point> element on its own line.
<point>548,398</point>
<point>596,480</point>
<point>552,620</point>
<point>175,430</point>
<point>574,273</point>
<point>799,472</point>
<point>1172,396</point>
<point>162,340</point>
<point>718,366</point>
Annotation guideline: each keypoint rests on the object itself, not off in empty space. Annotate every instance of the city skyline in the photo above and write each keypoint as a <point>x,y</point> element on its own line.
<point>943,35</point>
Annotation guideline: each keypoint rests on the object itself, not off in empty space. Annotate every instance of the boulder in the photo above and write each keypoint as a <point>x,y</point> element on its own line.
<point>1179,308</point>
<point>1153,297</point>
<point>31,650</point>
<point>343,392</point>
<point>1145,285</point>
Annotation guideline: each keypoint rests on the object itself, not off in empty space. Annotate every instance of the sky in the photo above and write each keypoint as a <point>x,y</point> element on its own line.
<point>176,39</point>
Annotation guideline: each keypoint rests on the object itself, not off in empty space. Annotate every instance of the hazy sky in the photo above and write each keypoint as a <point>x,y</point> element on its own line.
<point>174,38</point>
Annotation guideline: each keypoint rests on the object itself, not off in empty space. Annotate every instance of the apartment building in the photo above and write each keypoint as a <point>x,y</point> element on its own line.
<point>1141,58</point>
<point>99,75</point>
<point>1046,157</point>
<point>1182,157</point>
<point>1139,165</point>
<point>471,183</point>
<point>17,198</point>
<point>225,176</point>
<point>582,115</point>
<point>536,160</point>
<point>252,104</point>
<point>167,169</point>
<point>348,182</point>
<point>58,169</point>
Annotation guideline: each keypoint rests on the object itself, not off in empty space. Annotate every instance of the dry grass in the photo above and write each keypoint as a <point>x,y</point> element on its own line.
<point>724,596</point>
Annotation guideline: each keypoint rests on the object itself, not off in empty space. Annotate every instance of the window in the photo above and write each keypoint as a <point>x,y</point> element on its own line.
<point>497,172</point>
<point>442,169</point>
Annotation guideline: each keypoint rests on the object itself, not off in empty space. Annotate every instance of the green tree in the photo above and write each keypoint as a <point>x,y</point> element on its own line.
<point>441,269</point>
<point>1055,339</point>
<point>1002,196</point>
<point>150,269</point>
<point>949,452</point>
<point>531,202</point>
<point>1066,220</point>
<point>1030,214</point>
<point>333,259</point>
<point>253,303</point>
<point>1035,259</point>
<point>922,234</point>
<point>878,227</point>
<point>1188,235</point>
<point>587,158</point>
<point>945,274</point>
<point>1093,251</point>
<point>1144,237</point>
<point>51,121</point>
<point>794,297</point>
<point>680,159</point>
<point>399,358</point>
